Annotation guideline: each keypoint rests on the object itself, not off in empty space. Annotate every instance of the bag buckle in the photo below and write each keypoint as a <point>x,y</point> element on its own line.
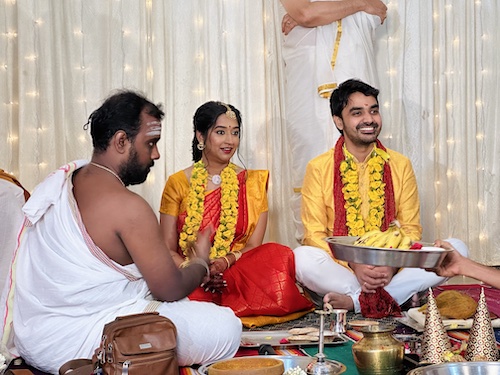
<point>125,367</point>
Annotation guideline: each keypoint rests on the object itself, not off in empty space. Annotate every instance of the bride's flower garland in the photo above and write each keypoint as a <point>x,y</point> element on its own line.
<point>224,235</point>
<point>350,179</point>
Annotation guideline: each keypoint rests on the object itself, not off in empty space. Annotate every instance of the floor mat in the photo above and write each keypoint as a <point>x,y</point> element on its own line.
<point>312,320</point>
<point>340,353</point>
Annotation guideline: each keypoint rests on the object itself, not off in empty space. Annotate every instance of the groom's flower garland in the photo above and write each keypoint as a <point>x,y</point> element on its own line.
<point>350,179</point>
<point>224,235</point>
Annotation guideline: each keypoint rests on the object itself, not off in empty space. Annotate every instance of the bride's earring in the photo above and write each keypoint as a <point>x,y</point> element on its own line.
<point>200,146</point>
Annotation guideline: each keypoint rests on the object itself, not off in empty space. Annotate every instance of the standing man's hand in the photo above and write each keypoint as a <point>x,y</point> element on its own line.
<point>287,24</point>
<point>377,8</point>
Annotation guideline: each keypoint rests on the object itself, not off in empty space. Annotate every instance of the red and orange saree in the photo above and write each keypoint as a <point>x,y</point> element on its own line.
<point>262,282</point>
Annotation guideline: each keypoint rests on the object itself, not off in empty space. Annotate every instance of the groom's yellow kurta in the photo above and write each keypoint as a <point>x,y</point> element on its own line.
<point>318,211</point>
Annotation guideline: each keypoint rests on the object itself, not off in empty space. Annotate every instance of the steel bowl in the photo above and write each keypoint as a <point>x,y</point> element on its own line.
<point>343,249</point>
<point>455,368</point>
<point>290,361</point>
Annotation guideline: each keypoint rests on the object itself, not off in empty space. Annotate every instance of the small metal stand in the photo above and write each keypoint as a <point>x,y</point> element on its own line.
<point>319,366</point>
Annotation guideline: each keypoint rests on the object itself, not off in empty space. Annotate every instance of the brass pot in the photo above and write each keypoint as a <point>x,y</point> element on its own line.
<point>378,352</point>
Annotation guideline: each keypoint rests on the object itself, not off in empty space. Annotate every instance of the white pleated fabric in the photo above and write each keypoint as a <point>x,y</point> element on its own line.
<point>66,289</point>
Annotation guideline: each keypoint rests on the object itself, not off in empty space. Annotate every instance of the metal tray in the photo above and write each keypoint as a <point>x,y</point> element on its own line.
<point>469,368</point>
<point>427,257</point>
<point>290,361</point>
<point>254,339</point>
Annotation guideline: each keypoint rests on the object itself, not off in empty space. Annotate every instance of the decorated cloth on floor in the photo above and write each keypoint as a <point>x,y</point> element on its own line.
<point>264,320</point>
<point>378,305</point>
<point>462,335</point>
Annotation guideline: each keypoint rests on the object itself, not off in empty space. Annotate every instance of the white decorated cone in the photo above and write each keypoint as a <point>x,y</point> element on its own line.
<point>482,344</point>
<point>435,341</point>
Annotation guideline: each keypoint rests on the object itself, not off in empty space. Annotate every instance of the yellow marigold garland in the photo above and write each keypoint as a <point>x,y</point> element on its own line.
<point>224,235</point>
<point>376,194</point>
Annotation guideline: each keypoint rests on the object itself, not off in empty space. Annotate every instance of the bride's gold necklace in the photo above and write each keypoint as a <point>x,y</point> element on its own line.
<point>107,170</point>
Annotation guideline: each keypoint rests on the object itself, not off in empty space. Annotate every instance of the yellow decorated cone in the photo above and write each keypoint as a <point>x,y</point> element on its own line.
<point>435,341</point>
<point>482,344</point>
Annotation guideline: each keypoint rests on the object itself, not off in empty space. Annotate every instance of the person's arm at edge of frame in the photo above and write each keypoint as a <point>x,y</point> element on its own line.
<point>455,264</point>
<point>318,13</point>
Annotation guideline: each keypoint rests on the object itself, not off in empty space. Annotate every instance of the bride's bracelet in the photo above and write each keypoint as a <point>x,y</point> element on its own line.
<point>227,261</point>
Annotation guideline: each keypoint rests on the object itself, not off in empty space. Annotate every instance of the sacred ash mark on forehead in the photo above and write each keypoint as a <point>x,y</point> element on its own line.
<point>153,128</point>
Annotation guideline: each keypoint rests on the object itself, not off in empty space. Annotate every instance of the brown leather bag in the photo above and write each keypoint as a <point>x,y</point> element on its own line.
<point>136,344</point>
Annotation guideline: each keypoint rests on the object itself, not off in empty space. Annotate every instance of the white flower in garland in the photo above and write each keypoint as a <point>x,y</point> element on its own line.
<point>295,371</point>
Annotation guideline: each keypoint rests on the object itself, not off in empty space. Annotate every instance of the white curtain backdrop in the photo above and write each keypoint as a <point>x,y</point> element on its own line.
<point>437,63</point>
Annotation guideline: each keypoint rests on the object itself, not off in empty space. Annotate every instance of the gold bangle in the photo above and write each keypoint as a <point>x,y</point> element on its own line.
<point>227,261</point>
<point>237,255</point>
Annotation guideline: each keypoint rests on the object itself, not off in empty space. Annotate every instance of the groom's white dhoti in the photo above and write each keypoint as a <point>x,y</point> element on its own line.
<point>317,271</point>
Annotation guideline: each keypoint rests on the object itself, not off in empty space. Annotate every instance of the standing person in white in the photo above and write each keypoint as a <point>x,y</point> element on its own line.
<point>325,43</point>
